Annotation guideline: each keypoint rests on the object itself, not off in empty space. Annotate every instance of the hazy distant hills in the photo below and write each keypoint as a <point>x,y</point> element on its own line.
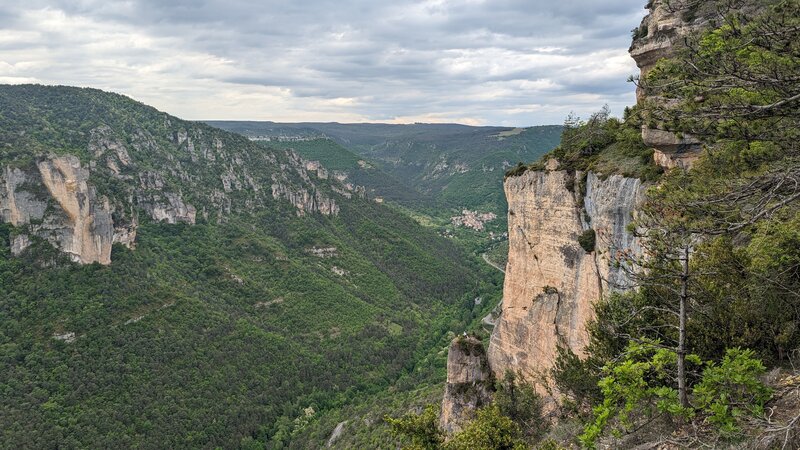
<point>451,165</point>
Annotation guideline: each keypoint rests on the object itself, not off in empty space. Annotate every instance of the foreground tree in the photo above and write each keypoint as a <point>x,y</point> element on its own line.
<point>737,88</point>
<point>708,233</point>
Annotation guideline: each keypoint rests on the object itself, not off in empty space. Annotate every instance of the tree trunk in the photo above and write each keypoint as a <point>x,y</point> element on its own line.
<point>682,394</point>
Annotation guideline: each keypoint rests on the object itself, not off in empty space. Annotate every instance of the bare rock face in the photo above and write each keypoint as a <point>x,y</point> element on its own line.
<point>18,206</point>
<point>104,143</point>
<point>610,204</point>
<point>125,234</point>
<point>19,243</point>
<point>551,281</point>
<point>55,201</point>
<point>85,230</point>
<point>305,201</point>
<point>336,434</point>
<point>469,382</point>
<point>669,150</point>
<point>168,207</point>
<point>659,36</point>
<point>307,198</point>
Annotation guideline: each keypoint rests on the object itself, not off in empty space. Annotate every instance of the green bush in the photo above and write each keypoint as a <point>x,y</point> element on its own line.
<point>641,384</point>
<point>575,378</point>
<point>516,171</point>
<point>422,429</point>
<point>519,402</point>
<point>490,430</point>
<point>639,32</point>
<point>587,240</point>
<point>731,390</point>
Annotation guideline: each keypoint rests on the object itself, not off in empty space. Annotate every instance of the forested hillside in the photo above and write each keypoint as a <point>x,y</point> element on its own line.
<point>453,166</point>
<point>254,299</point>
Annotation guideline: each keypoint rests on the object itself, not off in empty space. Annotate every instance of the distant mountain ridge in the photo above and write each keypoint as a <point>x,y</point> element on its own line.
<point>453,165</point>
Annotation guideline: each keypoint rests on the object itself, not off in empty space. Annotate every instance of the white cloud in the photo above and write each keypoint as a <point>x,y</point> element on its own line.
<point>510,62</point>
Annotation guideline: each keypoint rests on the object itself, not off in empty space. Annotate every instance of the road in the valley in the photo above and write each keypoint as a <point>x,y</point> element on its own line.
<point>489,262</point>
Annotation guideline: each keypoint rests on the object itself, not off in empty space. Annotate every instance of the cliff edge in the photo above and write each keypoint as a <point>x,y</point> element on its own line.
<point>553,275</point>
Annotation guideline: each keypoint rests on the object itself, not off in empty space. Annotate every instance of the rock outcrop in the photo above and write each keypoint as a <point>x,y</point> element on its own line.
<point>17,205</point>
<point>551,280</point>
<point>469,382</point>
<point>19,243</point>
<point>168,207</point>
<point>84,228</point>
<point>305,201</point>
<point>55,201</point>
<point>659,36</point>
<point>336,434</point>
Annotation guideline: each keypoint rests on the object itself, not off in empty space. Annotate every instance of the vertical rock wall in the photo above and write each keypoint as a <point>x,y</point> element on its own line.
<point>55,201</point>
<point>87,230</point>
<point>469,383</point>
<point>551,282</point>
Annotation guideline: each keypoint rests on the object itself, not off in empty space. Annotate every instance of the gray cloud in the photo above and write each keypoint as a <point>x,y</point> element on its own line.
<point>510,62</point>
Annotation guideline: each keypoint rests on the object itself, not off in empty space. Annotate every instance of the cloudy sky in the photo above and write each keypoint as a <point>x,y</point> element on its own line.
<point>491,62</point>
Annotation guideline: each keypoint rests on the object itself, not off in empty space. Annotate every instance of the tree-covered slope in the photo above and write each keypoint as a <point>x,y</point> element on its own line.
<point>456,166</point>
<point>283,291</point>
<point>359,171</point>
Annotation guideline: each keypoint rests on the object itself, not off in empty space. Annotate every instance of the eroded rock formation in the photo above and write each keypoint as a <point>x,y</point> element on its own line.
<point>84,229</point>
<point>469,382</point>
<point>659,36</point>
<point>551,280</point>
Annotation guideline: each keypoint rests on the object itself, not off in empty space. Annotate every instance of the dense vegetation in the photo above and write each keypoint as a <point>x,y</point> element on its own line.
<point>717,297</point>
<point>513,421</point>
<point>359,171</point>
<point>229,332</point>
<point>601,144</point>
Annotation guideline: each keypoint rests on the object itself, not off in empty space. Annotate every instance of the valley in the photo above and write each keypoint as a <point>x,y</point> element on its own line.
<point>440,168</point>
<point>245,295</point>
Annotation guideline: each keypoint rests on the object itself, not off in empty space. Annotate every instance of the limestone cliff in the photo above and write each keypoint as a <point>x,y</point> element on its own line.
<point>81,226</point>
<point>551,281</point>
<point>659,36</point>
<point>469,382</point>
<point>57,201</point>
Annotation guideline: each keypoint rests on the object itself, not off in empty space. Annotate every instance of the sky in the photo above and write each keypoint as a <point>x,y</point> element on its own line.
<point>477,62</point>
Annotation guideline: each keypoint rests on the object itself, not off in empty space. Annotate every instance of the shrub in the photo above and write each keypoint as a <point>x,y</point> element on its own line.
<point>636,385</point>
<point>489,431</point>
<point>422,429</point>
<point>641,383</point>
<point>516,171</point>
<point>575,378</point>
<point>519,402</point>
<point>587,240</point>
<point>732,389</point>
<point>639,32</point>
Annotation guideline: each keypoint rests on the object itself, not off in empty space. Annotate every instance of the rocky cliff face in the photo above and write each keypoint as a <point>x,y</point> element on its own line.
<point>84,190</point>
<point>81,224</point>
<point>659,36</point>
<point>551,281</point>
<point>469,382</point>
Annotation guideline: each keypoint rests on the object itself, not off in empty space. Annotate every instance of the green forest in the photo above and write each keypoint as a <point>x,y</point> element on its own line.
<point>437,168</point>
